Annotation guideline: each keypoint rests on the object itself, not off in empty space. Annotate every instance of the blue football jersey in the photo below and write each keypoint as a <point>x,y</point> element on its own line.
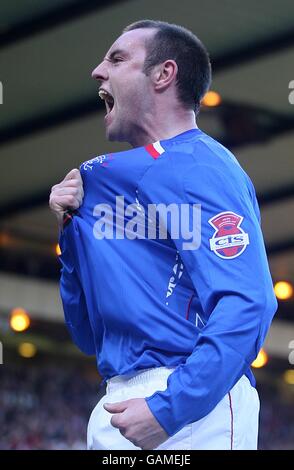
<point>139,300</point>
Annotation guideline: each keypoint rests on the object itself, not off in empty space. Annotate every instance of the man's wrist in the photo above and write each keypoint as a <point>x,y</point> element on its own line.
<point>160,412</point>
<point>59,216</point>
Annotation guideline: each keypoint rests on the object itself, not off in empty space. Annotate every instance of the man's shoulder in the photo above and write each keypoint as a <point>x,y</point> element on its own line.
<point>196,156</point>
<point>205,150</point>
<point>191,163</point>
<point>104,159</point>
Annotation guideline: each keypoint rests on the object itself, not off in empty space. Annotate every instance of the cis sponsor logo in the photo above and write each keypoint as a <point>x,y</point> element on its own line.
<point>229,239</point>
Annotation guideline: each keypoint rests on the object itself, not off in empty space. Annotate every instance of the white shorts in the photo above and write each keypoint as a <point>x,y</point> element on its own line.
<point>231,425</point>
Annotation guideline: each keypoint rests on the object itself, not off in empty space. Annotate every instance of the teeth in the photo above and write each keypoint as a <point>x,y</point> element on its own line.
<point>108,99</point>
<point>103,94</point>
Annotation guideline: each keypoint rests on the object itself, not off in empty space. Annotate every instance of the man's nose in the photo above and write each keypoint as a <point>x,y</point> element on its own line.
<point>100,72</point>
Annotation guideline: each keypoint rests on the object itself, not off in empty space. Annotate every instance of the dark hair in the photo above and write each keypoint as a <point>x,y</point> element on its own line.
<point>171,41</point>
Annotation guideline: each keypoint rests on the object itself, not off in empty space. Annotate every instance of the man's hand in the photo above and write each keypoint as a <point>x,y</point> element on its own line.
<point>67,195</point>
<point>136,423</point>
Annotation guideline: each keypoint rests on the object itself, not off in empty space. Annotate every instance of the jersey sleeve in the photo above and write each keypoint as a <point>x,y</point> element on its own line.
<point>73,298</point>
<point>230,274</point>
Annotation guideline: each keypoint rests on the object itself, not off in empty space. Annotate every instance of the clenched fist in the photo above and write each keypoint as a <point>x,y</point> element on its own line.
<point>67,195</point>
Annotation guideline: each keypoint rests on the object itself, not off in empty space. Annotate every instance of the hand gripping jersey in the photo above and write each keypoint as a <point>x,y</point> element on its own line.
<point>139,302</point>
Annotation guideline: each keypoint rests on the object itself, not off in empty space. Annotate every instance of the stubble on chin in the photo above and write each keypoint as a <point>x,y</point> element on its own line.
<point>111,136</point>
<point>116,134</point>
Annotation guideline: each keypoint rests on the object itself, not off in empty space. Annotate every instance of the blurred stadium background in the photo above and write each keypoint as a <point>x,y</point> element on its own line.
<point>51,120</point>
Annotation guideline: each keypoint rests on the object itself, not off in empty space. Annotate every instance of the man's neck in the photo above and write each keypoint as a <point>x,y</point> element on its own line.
<point>163,128</point>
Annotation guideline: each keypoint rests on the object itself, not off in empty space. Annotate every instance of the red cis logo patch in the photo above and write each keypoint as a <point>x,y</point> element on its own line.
<point>229,239</point>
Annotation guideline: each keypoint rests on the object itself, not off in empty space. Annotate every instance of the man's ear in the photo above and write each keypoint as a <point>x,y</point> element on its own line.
<point>164,74</point>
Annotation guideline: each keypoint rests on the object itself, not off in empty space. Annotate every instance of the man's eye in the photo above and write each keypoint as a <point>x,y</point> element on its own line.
<point>116,59</point>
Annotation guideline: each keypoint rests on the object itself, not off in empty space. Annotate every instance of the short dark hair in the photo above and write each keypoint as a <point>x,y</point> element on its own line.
<point>178,43</point>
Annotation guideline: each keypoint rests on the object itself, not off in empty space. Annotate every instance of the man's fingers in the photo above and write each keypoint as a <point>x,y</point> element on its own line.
<point>68,190</point>
<point>75,173</point>
<point>115,422</point>
<point>68,194</point>
<point>67,184</point>
<point>118,407</point>
<point>63,203</point>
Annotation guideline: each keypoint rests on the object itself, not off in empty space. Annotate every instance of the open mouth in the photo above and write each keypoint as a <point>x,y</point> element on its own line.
<point>108,99</point>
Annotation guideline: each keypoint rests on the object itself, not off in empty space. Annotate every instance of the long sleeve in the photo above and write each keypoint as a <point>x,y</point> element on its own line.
<point>234,287</point>
<point>73,300</point>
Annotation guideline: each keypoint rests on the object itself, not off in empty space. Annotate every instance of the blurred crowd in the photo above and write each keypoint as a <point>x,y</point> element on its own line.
<point>45,407</point>
<point>48,407</point>
<point>276,420</point>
